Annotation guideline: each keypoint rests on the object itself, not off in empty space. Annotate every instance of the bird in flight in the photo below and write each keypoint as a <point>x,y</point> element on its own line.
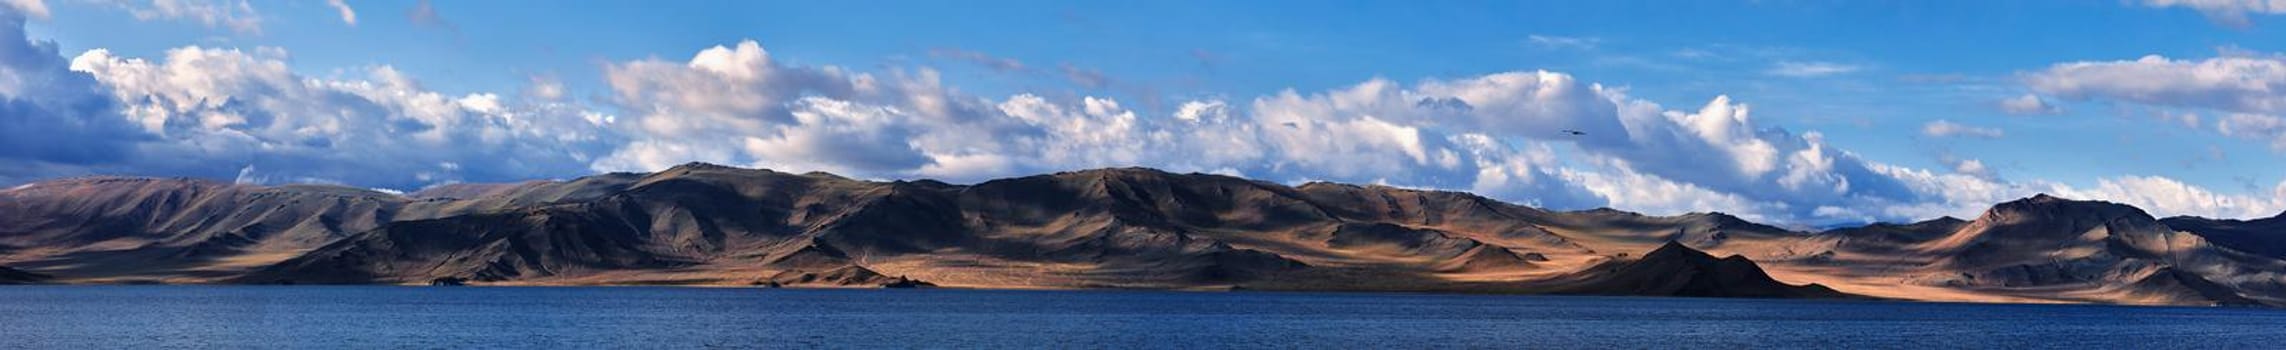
<point>1574,132</point>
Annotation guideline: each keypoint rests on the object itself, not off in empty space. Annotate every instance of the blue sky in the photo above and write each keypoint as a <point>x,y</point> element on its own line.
<point>1829,111</point>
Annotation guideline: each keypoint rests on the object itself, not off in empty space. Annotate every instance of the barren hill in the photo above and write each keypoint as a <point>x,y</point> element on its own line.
<point>703,224</point>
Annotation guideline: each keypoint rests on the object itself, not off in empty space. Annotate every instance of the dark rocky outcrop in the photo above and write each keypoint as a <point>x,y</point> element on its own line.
<point>845,276</point>
<point>14,276</point>
<point>1677,270</point>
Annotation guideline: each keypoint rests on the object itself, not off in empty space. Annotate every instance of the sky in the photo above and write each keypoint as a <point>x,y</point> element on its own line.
<point>1802,113</point>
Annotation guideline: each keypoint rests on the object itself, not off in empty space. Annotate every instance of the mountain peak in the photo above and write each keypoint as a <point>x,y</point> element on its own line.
<point>1122,171</point>
<point>1939,221</point>
<point>1942,221</point>
<point>1675,269</point>
<point>1606,211</point>
<point>2044,205</point>
<point>1718,217</point>
<point>825,175</point>
<point>702,166</point>
<point>1324,184</point>
<point>1676,250</point>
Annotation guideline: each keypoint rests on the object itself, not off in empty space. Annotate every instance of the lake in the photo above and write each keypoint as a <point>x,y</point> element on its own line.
<point>88,317</point>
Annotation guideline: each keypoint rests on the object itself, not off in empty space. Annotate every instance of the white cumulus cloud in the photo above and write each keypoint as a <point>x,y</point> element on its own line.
<point>2168,197</point>
<point>214,111</point>
<point>229,113</point>
<point>35,9</point>
<point>1497,134</point>
<point>2028,104</point>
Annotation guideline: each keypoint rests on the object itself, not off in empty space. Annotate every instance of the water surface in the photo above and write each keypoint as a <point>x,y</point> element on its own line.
<point>85,317</point>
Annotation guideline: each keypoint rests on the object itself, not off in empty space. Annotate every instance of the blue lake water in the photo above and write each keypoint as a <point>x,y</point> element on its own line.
<point>95,317</point>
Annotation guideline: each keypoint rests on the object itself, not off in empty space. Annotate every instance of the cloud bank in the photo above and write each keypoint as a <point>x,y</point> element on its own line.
<point>2244,94</point>
<point>238,16</point>
<point>229,113</point>
<point>2232,13</point>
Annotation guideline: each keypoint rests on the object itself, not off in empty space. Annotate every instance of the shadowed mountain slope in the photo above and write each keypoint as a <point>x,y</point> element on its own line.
<point>14,276</point>
<point>2265,236</point>
<point>706,224</point>
<point>2068,250</point>
<point>1678,270</point>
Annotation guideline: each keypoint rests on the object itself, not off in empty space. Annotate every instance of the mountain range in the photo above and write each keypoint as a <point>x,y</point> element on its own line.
<point>703,224</point>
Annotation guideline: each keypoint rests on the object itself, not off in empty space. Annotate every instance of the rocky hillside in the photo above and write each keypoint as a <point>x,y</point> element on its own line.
<point>1106,228</point>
